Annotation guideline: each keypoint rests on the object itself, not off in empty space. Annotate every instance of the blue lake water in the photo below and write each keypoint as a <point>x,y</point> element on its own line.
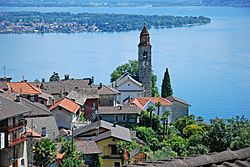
<point>209,65</point>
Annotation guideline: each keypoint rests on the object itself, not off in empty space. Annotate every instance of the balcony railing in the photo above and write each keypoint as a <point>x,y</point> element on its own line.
<point>18,140</point>
<point>18,125</point>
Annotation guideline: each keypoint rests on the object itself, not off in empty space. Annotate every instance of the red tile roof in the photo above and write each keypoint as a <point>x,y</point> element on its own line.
<point>66,104</point>
<point>23,88</point>
<point>142,101</point>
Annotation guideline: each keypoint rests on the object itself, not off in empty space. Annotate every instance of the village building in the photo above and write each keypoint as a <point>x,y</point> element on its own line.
<point>106,135</point>
<point>137,156</point>
<point>63,87</point>
<point>24,89</point>
<point>13,145</point>
<point>108,96</point>
<point>179,107</point>
<point>90,151</point>
<point>160,105</point>
<point>88,99</point>
<point>66,113</point>
<point>127,116</point>
<point>128,88</point>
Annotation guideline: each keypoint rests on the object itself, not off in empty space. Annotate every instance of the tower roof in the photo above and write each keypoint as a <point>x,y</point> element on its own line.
<point>144,37</point>
<point>144,30</point>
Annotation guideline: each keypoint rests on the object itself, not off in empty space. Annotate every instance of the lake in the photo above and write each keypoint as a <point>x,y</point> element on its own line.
<point>209,65</point>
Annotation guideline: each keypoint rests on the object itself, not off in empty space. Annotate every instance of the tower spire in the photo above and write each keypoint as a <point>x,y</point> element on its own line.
<point>144,37</point>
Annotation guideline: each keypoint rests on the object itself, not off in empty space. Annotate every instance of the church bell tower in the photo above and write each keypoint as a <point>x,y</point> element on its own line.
<point>144,60</point>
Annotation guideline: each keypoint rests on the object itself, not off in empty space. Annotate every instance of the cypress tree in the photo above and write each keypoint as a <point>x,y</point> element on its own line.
<point>166,89</point>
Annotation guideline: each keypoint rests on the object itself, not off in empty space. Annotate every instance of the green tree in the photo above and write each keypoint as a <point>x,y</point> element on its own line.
<point>54,77</point>
<point>158,105</point>
<point>155,92</point>
<point>73,158</point>
<point>150,109</point>
<point>44,151</point>
<point>145,119</point>
<point>166,89</point>
<point>181,123</point>
<point>164,118</point>
<point>132,68</point>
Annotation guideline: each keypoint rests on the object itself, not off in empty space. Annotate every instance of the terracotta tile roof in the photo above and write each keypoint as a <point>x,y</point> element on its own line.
<point>66,104</point>
<point>239,158</point>
<point>142,101</point>
<point>87,147</point>
<point>23,88</point>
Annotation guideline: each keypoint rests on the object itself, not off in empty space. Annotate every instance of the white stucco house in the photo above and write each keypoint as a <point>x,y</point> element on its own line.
<point>128,88</point>
<point>145,102</point>
<point>65,112</point>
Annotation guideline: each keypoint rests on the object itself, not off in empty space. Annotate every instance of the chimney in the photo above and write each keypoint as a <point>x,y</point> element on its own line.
<point>43,79</point>
<point>92,80</point>
<point>100,86</point>
<point>114,124</point>
<point>17,98</point>
<point>76,87</point>
<point>120,107</point>
<point>66,77</point>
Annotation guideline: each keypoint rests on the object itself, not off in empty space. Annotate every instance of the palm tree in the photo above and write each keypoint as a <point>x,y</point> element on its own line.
<point>151,109</point>
<point>158,105</point>
<point>164,118</point>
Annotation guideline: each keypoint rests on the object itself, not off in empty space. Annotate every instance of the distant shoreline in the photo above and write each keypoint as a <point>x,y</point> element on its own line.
<point>66,22</point>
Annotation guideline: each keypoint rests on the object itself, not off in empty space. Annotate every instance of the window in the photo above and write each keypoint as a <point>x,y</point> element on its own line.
<point>145,54</point>
<point>128,84</point>
<point>116,118</point>
<point>116,164</point>
<point>43,131</point>
<point>22,161</point>
<point>123,117</point>
<point>114,150</point>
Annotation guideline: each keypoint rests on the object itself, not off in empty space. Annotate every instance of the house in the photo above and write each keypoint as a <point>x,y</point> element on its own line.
<point>46,99</point>
<point>106,135</point>
<point>88,99</point>
<point>41,120</point>
<point>108,96</point>
<point>228,158</point>
<point>145,102</point>
<point>65,112</point>
<point>126,116</point>
<point>62,88</point>
<point>128,87</point>
<point>13,145</point>
<point>90,151</point>
<point>137,156</point>
<point>180,107</point>
<point>24,89</point>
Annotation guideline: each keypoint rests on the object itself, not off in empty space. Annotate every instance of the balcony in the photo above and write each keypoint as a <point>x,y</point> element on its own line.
<point>18,140</point>
<point>18,125</point>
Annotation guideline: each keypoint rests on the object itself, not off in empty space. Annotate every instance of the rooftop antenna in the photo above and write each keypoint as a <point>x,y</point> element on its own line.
<point>23,77</point>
